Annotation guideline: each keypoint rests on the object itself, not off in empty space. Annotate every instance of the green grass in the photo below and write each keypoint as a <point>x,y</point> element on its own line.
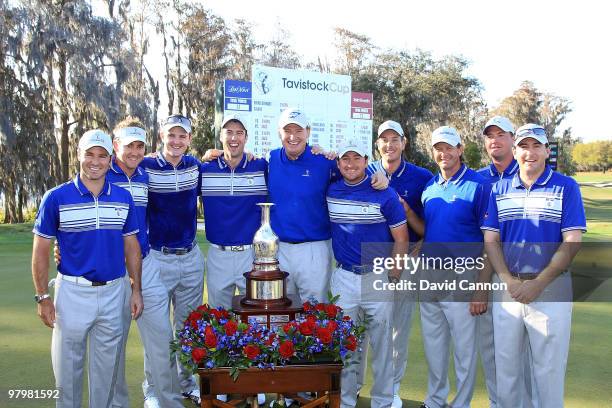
<point>25,342</point>
<point>593,176</point>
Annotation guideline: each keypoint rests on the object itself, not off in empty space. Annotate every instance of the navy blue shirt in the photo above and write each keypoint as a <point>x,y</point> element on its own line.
<point>138,187</point>
<point>230,198</point>
<point>361,214</point>
<point>89,230</point>
<point>297,188</point>
<point>491,174</point>
<point>173,201</point>
<point>536,216</point>
<point>409,181</point>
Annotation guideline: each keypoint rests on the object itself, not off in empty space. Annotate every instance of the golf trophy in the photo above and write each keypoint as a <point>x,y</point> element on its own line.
<point>266,300</point>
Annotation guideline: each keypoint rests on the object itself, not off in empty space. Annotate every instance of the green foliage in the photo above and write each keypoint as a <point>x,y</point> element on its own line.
<point>594,156</point>
<point>472,155</point>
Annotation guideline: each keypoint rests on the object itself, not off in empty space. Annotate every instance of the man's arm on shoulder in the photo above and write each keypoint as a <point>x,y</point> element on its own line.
<point>40,276</point>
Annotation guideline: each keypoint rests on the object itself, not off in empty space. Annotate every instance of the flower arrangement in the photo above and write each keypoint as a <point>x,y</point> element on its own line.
<point>214,337</point>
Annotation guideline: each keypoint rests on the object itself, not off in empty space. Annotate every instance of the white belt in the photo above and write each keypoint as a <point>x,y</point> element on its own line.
<point>232,248</point>
<point>79,280</point>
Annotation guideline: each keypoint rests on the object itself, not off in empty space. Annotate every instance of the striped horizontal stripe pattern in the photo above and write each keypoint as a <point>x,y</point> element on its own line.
<point>544,206</point>
<point>168,181</point>
<point>139,192</point>
<point>354,212</point>
<point>222,184</point>
<point>85,216</point>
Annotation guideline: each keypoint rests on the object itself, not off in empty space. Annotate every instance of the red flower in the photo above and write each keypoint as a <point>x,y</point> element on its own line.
<point>286,349</point>
<point>312,319</point>
<point>216,313</point>
<point>332,325</point>
<point>251,351</point>
<point>307,328</point>
<point>193,318</point>
<point>351,343</point>
<point>320,307</point>
<point>288,326</point>
<point>210,338</point>
<point>270,339</point>
<point>224,314</point>
<point>331,310</point>
<point>324,334</point>
<point>307,306</point>
<point>346,318</point>
<point>203,309</point>
<point>198,354</point>
<point>230,327</point>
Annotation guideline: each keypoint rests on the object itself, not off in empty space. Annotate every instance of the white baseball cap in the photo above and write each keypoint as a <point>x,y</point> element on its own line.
<point>390,125</point>
<point>501,122</point>
<point>293,115</point>
<point>531,130</point>
<point>446,134</point>
<point>96,137</point>
<point>233,116</point>
<point>176,120</point>
<point>127,135</point>
<point>352,147</point>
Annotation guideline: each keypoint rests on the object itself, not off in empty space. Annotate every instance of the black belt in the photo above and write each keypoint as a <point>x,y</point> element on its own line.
<point>357,269</point>
<point>176,251</point>
<point>299,242</point>
<point>525,276</point>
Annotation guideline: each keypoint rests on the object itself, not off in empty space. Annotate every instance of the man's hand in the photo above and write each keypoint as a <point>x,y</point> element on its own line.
<point>331,155</point>
<point>136,304</point>
<point>46,312</point>
<point>57,257</point>
<point>380,180</point>
<point>479,303</point>
<point>529,291</point>
<point>514,285</point>
<point>212,154</point>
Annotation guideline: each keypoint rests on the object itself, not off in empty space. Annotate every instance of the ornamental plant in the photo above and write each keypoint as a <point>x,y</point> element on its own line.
<point>214,337</point>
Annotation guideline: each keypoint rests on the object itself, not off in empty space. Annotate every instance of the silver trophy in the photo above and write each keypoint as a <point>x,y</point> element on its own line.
<point>265,283</point>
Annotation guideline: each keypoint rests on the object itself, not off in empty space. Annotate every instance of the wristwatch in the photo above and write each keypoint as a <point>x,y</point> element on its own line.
<point>40,298</point>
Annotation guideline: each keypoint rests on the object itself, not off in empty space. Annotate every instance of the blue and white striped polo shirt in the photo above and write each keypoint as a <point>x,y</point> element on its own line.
<point>230,198</point>
<point>409,181</point>
<point>491,174</point>
<point>297,189</point>
<point>138,187</point>
<point>529,219</point>
<point>360,214</point>
<point>173,201</point>
<point>89,230</point>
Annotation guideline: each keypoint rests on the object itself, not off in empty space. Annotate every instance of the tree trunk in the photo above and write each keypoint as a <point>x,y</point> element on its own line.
<point>64,116</point>
<point>10,214</point>
<point>21,202</point>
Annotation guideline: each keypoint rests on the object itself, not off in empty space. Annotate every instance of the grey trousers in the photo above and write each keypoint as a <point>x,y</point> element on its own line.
<point>156,333</point>
<point>224,274</point>
<point>183,278</point>
<point>87,314</point>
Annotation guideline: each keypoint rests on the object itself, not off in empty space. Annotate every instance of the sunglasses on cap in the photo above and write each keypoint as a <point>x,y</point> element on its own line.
<point>533,131</point>
<point>177,119</point>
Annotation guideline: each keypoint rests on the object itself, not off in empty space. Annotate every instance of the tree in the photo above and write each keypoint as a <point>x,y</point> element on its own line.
<point>354,51</point>
<point>472,155</point>
<point>528,105</point>
<point>594,156</point>
<point>278,53</point>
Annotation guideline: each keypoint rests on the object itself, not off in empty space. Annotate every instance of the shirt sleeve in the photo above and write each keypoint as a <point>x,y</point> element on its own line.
<point>334,171</point>
<point>130,227</point>
<point>47,217</point>
<point>490,219</point>
<point>483,192</point>
<point>572,214</point>
<point>392,210</point>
